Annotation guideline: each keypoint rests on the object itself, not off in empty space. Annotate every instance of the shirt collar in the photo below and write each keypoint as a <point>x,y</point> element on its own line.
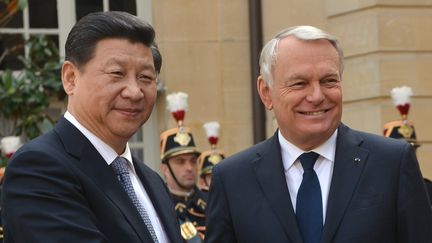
<point>107,153</point>
<point>290,152</point>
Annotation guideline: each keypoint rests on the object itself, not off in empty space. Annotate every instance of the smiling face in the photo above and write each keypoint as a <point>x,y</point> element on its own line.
<point>113,94</point>
<point>306,95</point>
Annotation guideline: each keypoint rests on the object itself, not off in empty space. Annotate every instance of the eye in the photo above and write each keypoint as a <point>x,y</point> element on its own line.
<point>297,84</point>
<point>146,79</point>
<point>330,82</point>
<point>116,73</point>
<point>179,161</point>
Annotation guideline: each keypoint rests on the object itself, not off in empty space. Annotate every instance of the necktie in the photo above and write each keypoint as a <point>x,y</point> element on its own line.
<point>120,167</point>
<point>309,203</point>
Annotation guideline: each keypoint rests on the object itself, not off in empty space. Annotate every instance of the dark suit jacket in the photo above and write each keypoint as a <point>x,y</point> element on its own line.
<point>376,195</point>
<point>59,189</point>
<point>428,185</point>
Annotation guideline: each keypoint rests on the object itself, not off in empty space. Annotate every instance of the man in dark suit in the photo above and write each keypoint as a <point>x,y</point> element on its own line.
<point>79,182</point>
<point>315,180</point>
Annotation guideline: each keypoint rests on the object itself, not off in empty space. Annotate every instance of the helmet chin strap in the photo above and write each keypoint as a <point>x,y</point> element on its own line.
<point>205,181</point>
<point>175,178</point>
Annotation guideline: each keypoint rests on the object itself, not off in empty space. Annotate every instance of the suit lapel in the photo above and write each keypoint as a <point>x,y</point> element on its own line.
<point>160,199</point>
<point>94,166</point>
<point>350,161</point>
<point>270,174</point>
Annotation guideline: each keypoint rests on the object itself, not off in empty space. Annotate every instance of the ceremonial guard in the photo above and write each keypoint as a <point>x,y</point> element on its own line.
<point>404,129</point>
<point>208,159</point>
<point>179,166</point>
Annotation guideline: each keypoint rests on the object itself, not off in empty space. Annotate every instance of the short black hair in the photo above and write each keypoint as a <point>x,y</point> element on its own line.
<point>157,57</point>
<point>89,30</point>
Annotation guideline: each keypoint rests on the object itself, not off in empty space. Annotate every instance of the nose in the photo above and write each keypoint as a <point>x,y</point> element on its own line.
<point>132,90</point>
<point>315,93</point>
<point>190,166</point>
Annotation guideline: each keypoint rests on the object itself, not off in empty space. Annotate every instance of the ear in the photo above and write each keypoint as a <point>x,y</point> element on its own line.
<point>264,92</point>
<point>70,74</point>
<point>164,169</point>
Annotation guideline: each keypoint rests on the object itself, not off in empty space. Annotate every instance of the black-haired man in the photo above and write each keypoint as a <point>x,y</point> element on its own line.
<point>79,182</point>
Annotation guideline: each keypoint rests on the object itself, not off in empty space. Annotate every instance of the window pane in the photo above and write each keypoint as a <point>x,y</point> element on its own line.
<point>15,20</point>
<point>84,7</point>
<point>43,13</point>
<point>123,5</point>
<point>13,45</point>
<point>53,38</point>
<point>43,56</point>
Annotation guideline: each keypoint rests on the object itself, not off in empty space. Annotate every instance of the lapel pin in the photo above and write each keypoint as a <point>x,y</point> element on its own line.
<point>357,160</point>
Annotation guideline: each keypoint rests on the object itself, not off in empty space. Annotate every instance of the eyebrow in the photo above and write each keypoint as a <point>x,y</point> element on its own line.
<point>331,74</point>
<point>297,76</point>
<point>122,61</point>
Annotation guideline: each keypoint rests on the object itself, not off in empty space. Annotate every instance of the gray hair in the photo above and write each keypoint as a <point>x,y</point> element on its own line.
<point>268,56</point>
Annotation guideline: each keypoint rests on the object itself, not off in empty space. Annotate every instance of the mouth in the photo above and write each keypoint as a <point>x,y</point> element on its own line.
<point>129,112</point>
<point>189,178</point>
<point>314,113</point>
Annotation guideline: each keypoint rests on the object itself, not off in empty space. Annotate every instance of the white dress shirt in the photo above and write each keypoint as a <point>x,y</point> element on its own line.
<point>109,156</point>
<point>294,171</point>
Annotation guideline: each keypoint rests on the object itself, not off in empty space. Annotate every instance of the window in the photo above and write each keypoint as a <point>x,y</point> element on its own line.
<point>32,20</point>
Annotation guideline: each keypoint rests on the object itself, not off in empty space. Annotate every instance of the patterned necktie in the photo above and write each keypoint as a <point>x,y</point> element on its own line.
<point>309,202</point>
<point>120,167</point>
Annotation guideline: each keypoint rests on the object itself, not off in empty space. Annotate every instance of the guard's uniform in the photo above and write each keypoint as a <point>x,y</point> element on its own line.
<point>404,129</point>
<point>208,159</point>
<point>191,209</point>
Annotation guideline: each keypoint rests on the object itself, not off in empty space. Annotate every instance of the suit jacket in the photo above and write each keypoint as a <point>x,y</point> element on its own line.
<point>58,188</point>
<point>428,184</point>
<point>376,195</point>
